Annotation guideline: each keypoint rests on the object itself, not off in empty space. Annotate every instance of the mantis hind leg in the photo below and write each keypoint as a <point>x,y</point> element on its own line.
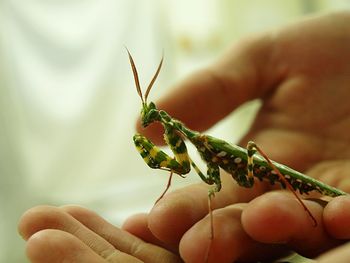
<point>252,148</point>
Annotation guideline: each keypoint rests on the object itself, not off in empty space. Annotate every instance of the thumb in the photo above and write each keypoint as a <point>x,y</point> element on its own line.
<point>246,71</point>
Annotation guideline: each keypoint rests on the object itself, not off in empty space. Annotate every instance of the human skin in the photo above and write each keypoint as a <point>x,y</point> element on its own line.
<point>301,73</point>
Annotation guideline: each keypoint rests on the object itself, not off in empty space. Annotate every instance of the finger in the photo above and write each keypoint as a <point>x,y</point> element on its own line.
<point>121,239</point>
<point>173,215</point>
<point>339,255</point>
<point>58,246</point>
<point>205,97</point>
<point>336,217</point>
<point>179,210</point>
<point>137,225</point>
<point>230,243</point>
<point>277,217</point>
<point>47,217</point>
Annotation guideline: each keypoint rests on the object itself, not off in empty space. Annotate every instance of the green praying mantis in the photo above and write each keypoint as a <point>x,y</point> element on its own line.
<point>244,165</point>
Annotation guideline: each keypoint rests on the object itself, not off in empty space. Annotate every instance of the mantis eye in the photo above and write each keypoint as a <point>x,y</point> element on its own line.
<point>149,115</point>
<point>151,106</point>
<point>152,115</point>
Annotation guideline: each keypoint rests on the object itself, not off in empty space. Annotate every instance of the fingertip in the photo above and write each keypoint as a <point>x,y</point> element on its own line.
<point>336,217</point>
<point>275,217</point>
<point>38,247</point>
<point>229,240</point>
<point>195,243</point>
<point>37,218</point>
<point>48,246</point>
<point>176,212</point>
<point>137,225</point>
<point>135,221</point>
<point>51,245</point>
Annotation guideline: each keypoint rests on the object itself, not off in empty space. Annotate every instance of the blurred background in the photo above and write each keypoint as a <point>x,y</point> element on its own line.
<point>68,104</point>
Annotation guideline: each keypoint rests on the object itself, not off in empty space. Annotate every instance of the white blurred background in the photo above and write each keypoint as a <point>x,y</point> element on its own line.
<point>68,104</point>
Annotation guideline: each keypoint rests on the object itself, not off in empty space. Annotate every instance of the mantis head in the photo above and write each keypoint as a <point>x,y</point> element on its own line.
<point>149,111</point>
<point>149,114</point>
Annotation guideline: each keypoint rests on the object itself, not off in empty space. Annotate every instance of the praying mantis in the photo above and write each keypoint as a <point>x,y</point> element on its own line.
<point>244,165</point>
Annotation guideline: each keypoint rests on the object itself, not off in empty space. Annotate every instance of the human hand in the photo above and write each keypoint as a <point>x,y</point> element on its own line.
<point>301,73</point>
<point>264,229</point>
<point>75,234</point>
